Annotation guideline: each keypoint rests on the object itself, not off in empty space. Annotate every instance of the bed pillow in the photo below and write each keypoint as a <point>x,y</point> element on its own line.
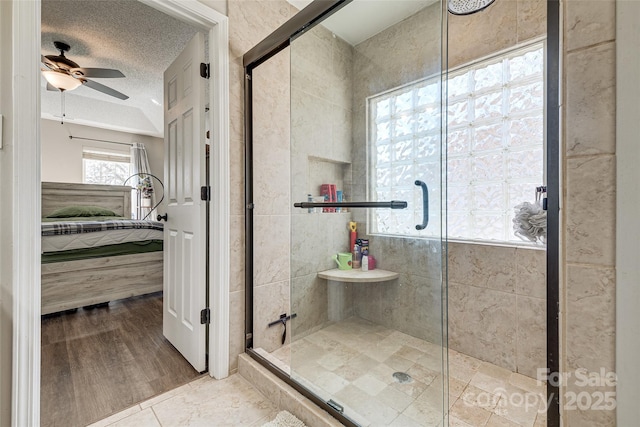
<point>77,211</point>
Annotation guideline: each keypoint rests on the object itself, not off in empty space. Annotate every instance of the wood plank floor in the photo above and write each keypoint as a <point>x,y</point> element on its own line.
<point>101,361</point>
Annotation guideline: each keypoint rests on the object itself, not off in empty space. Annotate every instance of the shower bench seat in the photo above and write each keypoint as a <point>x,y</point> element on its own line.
<point>358,276</point>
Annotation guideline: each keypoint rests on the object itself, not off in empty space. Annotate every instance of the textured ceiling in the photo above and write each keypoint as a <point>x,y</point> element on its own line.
<point>122,34</point>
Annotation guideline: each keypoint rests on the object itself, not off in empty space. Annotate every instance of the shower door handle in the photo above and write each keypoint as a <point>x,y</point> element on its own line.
<point>394,204</point>
<point>425,205</point>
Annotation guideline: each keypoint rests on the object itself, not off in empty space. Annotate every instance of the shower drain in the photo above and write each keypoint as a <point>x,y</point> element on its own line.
<point>402,378</point>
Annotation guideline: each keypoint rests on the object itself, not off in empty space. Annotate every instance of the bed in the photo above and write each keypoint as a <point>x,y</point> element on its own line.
<point>91,260</point>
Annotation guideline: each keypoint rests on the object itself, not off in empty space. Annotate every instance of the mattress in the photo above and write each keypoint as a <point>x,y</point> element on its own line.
<point>76,234</point>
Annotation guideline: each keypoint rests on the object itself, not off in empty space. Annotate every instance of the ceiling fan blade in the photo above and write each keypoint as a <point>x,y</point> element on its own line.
<point>105,89</point>
<point>98,72</point>
<point>47,63</point>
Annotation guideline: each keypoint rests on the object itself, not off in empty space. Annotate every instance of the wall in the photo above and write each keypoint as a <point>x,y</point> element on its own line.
<point>497,297</point>
<point>58,149</point>
<point>586,25</point>
<point>413,303</point>
<point>249,22</point>
<point>627,206</point>
<point>302,138</point>
<point>497,305</point>
<point>321,144</point>
<point>271,198</point>
<point>6,259</point>
<point>589,283</point>
<point>62,157</point>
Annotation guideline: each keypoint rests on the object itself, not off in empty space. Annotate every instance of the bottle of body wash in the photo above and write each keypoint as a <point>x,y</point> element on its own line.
<point>357,256</point>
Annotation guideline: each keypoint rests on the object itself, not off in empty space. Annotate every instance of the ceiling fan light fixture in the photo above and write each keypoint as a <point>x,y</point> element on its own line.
<point>61,81</point>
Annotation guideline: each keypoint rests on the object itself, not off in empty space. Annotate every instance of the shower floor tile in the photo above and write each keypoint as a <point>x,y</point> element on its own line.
<point>353,362</point>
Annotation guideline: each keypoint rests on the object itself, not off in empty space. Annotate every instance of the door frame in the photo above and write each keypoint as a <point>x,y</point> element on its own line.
<point>26,195</point>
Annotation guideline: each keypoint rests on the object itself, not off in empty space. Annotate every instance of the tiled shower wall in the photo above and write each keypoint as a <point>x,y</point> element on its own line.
<point>497,294</point>
<point>589,111</point>
<point>402,53</point>
<point>588,33</point>
<point>249,22</point>
<point>497,305</point>
<point>302,138</point>
<point>321,84</point>
<point>271,199</point>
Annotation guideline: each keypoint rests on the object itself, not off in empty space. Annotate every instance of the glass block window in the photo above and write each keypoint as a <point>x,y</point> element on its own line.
<point>495,147</point>
<point>102,167</point>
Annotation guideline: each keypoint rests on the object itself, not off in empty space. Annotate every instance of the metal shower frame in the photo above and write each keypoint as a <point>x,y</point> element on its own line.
<point>280,39</point>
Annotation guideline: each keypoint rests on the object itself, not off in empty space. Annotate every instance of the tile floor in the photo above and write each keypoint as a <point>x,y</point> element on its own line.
<point>204,402</point>
<point>352,362</point>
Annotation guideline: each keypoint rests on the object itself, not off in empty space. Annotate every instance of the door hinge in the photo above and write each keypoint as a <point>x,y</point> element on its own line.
<point>205,316</point>
<point>205,193</point>
<point>204,70</point>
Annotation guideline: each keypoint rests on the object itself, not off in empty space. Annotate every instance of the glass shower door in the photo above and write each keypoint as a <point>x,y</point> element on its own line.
<point>367,312</point>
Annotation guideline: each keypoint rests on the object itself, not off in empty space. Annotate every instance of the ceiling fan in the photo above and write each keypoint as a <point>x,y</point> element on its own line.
<point>63,74</point>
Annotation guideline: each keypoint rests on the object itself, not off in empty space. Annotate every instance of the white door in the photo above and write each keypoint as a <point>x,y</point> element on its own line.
<point>184,232</point>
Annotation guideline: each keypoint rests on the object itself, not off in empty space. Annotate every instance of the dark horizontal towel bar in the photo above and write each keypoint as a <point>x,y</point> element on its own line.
<point>394,204</point>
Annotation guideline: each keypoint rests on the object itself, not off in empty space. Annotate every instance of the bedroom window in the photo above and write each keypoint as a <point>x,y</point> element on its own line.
<point>495,145</point>
<point>105,167</point>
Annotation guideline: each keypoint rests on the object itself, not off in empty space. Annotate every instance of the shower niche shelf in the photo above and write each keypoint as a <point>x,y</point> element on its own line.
<point>358,276</point>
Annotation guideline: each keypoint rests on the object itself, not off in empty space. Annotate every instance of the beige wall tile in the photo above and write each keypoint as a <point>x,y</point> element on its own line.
<point>271,182</point>
<point>250,21</point>
<point>531,272</point>
<point>493,30</point>
<point>590,320</point>
<point>532,19</point>
<point>271,248</point>
<point>596,411</point>
<point>531,341</point>
<point>309,301</point>
<point>482,324</point>
<point>492,267</point>
<point>236,328</point>
<point>236,178</point>
<point>413,307</point>
<point>368,300</point>
<point>236,99</point>
<point>590,210</point>
<point>237,253</point>
<point>588,22</point>
<point>309,250</point>
<point>269,302</point>
<point>589,324</point>
<point>311,56</point>
<point>269,385</point>
<point>591,101</point>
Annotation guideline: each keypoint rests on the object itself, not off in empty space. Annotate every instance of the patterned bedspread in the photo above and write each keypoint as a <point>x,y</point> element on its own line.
<point>60,228</point>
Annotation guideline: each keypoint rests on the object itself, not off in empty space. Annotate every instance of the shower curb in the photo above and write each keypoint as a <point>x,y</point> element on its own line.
<point>282,394</point>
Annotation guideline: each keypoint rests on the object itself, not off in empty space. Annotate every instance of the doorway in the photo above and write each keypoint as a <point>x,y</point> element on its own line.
<point>26,315</point>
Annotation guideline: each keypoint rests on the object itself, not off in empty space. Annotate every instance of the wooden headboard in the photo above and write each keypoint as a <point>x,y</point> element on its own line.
<point>56,195</point>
